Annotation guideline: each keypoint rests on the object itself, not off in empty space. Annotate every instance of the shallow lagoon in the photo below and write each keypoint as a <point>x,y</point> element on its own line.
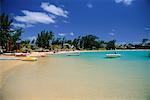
<point>89,76</point>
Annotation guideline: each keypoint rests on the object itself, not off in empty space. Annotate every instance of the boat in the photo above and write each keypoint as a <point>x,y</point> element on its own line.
<point>73,54</point>
<point>22,54</point>
<point>29,59</point>
<point>113,55</point>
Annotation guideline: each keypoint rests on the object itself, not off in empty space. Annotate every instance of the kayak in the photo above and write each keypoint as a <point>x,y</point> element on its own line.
<point>113,55</point>
<point>29,59</point>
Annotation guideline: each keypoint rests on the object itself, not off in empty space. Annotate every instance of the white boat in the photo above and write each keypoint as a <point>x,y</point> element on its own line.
<point>113,55</point>
<point>73,54</point>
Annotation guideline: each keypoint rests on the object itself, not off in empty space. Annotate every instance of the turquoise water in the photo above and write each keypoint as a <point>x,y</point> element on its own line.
<point>126,55</point>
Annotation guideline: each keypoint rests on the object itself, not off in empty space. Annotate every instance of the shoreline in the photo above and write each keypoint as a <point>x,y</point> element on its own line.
<point>78,51</point>
<point>40,54</point>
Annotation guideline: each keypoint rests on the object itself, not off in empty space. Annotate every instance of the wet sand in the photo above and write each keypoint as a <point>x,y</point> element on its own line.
<point>53,78</point>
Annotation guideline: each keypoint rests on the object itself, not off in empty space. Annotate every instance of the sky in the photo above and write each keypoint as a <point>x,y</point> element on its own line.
<point>123,20</point>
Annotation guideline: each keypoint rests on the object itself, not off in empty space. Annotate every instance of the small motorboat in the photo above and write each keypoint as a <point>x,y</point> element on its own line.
<point>29,59</point>
<point>73,54</point>
<point>113,55</point>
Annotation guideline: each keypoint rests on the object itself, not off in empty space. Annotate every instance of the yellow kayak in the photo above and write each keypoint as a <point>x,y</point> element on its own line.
<point>29,59</point>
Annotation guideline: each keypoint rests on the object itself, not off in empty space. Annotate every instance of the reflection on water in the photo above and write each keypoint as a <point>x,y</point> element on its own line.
<point>77,79</point>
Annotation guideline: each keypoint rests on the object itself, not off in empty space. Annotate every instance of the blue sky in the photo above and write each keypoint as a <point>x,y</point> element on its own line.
<point>123,20</point>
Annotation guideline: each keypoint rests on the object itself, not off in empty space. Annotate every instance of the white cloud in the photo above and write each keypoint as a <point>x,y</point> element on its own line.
<point>72,34</point>
<point>32,38</point>
<point>21,25</point>
<point>34,17</point>
<point>54,9</point>
<point>112,34</point>
<point>127,2</point>
<point>61,34</point>
<point>89,5</point>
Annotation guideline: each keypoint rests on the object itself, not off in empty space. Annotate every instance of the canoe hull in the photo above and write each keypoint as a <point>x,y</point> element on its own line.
<point>29,59</point>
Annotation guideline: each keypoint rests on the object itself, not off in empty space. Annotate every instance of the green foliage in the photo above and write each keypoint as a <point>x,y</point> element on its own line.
<point>8,35</point>
<point>15,36</point>
<point>88,42</point>
<point>76,42</point>
<point>25,46</point>
<point>56,41</point>
<point>111,45</point>
<point>44,38</point>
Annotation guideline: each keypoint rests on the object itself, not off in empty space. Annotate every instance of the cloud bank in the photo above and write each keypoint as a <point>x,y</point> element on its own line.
<point>48,16</point>
<point>34,17</point>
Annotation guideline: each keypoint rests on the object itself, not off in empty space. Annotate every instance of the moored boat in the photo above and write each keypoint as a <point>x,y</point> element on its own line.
<point>73,54</point>
<point>113,55</point>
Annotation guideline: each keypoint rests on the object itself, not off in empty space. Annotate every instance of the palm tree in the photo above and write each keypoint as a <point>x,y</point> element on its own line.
<point>44,38</point>
<point>89,42</point>
<point>8,35</point>
<point>111,45</point>
<point>5,25</point>
<point>76,42</point>
<point>15,36</point>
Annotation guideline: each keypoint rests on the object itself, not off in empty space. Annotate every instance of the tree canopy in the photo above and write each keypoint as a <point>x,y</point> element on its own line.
<point>8,35</point>
<point>44,38</point>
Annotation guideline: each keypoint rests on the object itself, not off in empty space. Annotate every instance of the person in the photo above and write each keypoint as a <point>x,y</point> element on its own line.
<point>115,52</point>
